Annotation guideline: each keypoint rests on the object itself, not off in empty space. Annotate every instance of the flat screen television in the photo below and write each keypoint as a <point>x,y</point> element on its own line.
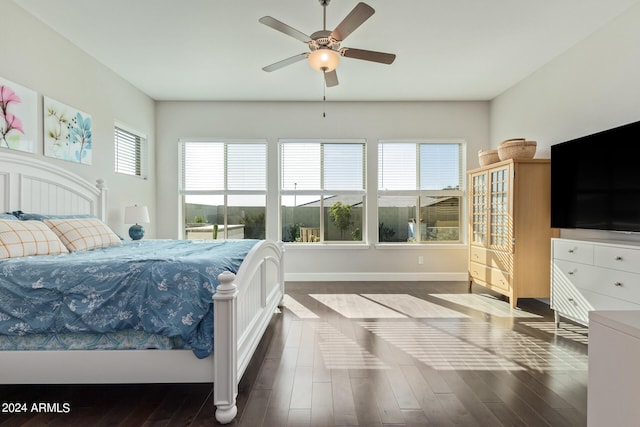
<point>595,181</point>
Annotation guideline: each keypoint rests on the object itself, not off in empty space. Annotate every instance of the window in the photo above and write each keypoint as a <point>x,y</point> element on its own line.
<point>223,187</point>
<point>419,191</point>
<point>130,152</point>
<point>322,191</point>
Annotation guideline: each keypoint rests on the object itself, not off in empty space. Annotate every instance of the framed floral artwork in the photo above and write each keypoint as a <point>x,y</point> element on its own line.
<point>18,117</point>
<point>67,132</point>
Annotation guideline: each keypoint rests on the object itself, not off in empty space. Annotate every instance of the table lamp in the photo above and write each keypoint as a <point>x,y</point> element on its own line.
<point>135,215</point>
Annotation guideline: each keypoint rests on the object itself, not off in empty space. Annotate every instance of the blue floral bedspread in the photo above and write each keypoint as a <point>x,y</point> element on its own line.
<point>157,286</point>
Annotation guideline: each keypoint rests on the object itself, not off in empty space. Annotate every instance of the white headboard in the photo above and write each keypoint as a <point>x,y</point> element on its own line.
<point>31,185</point>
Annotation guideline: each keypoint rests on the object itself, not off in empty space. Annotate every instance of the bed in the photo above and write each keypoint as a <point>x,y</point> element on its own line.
<point>245,299</point>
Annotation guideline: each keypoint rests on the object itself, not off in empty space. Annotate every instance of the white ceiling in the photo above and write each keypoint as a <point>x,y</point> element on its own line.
<point>214,49</point>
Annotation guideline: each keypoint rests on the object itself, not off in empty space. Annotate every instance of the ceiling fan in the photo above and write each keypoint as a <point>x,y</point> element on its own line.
<point>324,46</point>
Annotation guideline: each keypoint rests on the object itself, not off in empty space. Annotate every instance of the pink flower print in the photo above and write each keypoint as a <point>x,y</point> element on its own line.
<point>7,95</point>
<point>12,122</point>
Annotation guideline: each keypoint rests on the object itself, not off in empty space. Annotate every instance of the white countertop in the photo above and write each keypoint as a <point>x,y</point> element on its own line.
<point>627,322</point>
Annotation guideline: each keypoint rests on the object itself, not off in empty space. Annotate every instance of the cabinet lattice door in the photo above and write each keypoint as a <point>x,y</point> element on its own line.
<point>479,208</point>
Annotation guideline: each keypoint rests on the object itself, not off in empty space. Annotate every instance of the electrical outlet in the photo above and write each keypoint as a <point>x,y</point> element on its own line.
<point>420,259</point>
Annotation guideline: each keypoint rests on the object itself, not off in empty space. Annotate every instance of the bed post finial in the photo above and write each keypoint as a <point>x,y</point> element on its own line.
<point>226,280</point>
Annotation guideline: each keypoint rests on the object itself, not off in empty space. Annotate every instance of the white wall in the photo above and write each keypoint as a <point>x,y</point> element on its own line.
<point>38,58</point>
<point>371,121</point>
<point>592,87</point>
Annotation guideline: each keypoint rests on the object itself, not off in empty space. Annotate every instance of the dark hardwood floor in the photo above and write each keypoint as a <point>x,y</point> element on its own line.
<point>366,354</point>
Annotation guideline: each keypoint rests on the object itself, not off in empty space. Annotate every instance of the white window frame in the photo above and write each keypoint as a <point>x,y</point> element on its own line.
<point>322,192</point>
<point>418,193</point>
<point>141,160</point>
<point>225,191</point>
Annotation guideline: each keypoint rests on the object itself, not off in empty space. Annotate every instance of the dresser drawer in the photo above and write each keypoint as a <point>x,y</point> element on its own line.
<point>479,271</point>
<point>500,279</point>
<point>568,301</point>
<point>575,303</point>
<point>478,255</point>
<point>492,258</point>
<point>625,259</point>
<point>573,273</point>
<point>603,302</point>
<point>617,284</point>
<point>572,250</point>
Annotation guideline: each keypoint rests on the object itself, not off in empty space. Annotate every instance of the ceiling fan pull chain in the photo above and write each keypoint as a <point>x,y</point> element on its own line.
<point>324,100</point>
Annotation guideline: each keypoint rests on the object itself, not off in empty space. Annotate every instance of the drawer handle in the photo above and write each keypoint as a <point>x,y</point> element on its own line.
<point>618,284</point>
<point>572,301</point>
<point>618,258</point>
<point>572,272</point>
<point>571,251</point>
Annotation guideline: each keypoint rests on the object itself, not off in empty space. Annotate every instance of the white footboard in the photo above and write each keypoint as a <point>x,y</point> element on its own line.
<point>243,307</point>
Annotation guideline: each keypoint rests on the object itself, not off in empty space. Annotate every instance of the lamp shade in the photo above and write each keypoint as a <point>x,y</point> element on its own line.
<point>136,215</point>
<point>324,59</point>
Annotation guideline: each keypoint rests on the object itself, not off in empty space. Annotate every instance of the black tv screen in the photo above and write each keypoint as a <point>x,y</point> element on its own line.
<point>595,181</point>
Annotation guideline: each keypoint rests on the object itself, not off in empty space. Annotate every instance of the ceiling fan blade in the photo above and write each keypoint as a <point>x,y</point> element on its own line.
<point>369,55</point>
<point>353,20</point>
<point>284,28</point>
<point>331,78</point>
<point>285,62</point>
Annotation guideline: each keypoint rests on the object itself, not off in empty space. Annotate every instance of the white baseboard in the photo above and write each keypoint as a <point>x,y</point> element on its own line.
<point>383,277</point>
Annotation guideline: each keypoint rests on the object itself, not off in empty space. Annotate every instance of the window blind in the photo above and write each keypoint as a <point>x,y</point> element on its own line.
<point>246,167</point>
<point>397,166</point>
<point>440,166</point>
<point>223,166</point>
<point>419,166</point>
<point>128,152</point>
<point>322,166</point>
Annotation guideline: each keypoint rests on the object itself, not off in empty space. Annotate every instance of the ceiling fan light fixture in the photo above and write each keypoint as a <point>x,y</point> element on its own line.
<point>324,59</point>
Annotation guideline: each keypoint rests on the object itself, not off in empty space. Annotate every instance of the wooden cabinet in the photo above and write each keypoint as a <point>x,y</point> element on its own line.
<point>509,228</point>
<point>594,275</point>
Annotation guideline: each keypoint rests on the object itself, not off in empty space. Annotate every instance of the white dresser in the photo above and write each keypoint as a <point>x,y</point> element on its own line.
<point>593,275</point>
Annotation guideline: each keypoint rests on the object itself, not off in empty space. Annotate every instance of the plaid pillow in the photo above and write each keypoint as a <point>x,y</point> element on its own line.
<point>81,234</point>
<point>25,238</point>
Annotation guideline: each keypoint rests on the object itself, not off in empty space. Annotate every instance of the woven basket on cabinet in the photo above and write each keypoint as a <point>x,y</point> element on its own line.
<point>487,157</point>
<point>517,148</point>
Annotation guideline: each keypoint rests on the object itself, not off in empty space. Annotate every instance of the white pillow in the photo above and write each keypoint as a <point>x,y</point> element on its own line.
<point>25,238</point>
<point>81,234</point>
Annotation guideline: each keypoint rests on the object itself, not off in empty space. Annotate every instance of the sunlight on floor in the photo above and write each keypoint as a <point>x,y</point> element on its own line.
<point>298,309</point>
<point>414,307</point>
<point>471,346</point>
<point>341,352</point>
<point>354,306</point>
<point>450,342</point>
<point>438,349</point>
<point>485,303</point>
<point>569,331</point>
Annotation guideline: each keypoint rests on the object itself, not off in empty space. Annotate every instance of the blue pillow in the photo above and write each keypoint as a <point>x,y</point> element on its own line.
<point>8,215</point>
<point>41,217</point>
